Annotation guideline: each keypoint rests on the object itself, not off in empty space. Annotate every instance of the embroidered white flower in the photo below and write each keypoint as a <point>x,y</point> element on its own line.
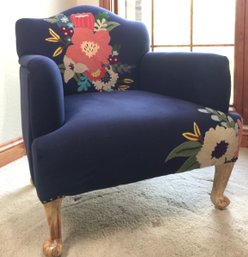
<point>108,81</point>
<point>71,68</point>
<point>219,146</point>
<point>64,19</point>
<point>101,25</point>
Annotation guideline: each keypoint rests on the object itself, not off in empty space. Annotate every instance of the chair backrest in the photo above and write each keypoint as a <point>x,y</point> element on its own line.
<point>94,49</point>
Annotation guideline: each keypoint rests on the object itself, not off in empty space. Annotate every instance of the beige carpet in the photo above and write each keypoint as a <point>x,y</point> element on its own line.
<point>161,217</point>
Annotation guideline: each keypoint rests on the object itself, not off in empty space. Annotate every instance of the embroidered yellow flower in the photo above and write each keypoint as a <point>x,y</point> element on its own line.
<point>55,37</point>
<point>196,136</point>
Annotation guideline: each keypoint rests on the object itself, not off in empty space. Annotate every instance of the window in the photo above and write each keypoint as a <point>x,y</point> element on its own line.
<point>188,25</point>
<point>195,25</point>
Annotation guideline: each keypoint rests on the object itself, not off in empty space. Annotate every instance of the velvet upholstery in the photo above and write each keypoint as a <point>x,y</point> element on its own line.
<point>163,112</point>
<point>189,76</point>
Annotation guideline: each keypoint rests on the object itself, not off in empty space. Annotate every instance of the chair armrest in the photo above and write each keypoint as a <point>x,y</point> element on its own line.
<point>201,78</point>
<point>42,97</point>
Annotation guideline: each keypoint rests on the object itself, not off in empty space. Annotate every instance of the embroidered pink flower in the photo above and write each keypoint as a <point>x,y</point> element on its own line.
<point>83,20</point>
<point>89,48</point>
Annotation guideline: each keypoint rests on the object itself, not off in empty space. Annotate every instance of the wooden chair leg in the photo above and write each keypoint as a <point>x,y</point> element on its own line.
<point>31,182</point>
<point>53,246</point>
<point>221,177</point>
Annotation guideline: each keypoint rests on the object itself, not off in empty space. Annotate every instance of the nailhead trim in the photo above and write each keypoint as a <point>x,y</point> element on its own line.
<point>52,199</point>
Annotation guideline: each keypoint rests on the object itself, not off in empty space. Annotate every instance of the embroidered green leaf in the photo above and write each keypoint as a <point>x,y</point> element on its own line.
<point>215,118</point>
<point>224,124</point>
<point>77,77</point>
<point>221,113</point>
<point>58,51</point>
<point>61,67</point>
<point>190,164</point>
<point>116,48</point>
<point>230,125</point>
<point>186,149</point>
<point>210,110</point>
<point>111,25</point>
<point>230,122</point>
<point>102,15</point>
<point>219,116</point>
<point>122,68</point>
<point>54,19</point>
<point>203,110</point>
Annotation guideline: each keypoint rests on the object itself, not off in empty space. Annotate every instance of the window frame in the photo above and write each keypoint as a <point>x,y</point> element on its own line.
<point>240,101</point>
<point>241,60</point>
<point>111,5</point>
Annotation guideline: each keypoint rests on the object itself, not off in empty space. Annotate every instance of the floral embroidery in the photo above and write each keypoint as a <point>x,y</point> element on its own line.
<point>240,134</point>
<point>89,58</point>
<point>218,147</point>
<point>71,68</point>
<point>90,48</point>
<point>107,81</point>
<point>220,144</point>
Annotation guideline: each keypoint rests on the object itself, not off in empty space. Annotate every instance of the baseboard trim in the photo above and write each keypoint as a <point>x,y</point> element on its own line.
<point>11,151</point>
<point>244,142</point>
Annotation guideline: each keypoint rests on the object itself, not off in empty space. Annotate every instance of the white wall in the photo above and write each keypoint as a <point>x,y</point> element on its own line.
<point>94,2</point>
<point>10,118</point>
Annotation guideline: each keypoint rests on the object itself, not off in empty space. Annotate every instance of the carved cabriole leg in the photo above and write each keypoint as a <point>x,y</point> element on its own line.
<point>53,246</point>
<point>221,177</point>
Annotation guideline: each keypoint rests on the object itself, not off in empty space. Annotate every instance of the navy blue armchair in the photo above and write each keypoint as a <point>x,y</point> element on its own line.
<point>100,110</point>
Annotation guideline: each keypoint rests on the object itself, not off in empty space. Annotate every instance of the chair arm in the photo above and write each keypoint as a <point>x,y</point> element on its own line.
<point>42,97</point>
<point>201,78</point>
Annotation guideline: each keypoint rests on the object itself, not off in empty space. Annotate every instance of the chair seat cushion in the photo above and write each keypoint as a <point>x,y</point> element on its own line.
<point>120,137</point>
